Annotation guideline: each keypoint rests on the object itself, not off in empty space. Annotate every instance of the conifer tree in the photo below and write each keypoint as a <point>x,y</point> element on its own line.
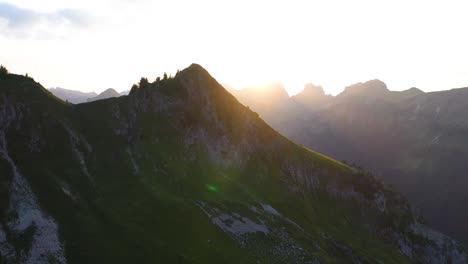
<point>3,72</point>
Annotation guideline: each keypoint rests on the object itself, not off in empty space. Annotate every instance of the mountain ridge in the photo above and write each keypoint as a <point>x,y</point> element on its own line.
<point>375,88</point>
<point>117,180</point>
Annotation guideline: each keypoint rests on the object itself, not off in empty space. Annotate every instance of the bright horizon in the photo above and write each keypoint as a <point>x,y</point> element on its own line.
<point>88,46</point>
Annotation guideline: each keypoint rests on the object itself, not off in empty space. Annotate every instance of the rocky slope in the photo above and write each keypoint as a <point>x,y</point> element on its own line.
<point>180,172</point>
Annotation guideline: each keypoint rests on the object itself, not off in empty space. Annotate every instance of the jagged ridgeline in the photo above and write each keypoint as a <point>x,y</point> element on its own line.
<point>180,172</point>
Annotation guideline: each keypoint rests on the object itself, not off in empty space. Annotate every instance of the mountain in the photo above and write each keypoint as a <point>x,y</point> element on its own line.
<point>270,99</point>
<point>370,89</point>
<point>415,141</point>
<point>312,97</point>
<point>265,96</point>
<point>109,93</point>
<point>75,97</point>
<point>179,171</point>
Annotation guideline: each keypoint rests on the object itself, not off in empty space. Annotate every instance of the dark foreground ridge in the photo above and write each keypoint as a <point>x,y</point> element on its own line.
<point>180,172</point>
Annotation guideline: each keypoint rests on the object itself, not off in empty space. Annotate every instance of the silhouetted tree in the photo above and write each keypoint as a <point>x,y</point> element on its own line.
<point>165,76</point>
<point>144,83</point>
<point>158,79</point>
<point>3,72</point>
<point>133,89</point>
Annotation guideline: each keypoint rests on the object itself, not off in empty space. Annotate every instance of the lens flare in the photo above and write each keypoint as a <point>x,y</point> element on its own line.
<point>212,188</point>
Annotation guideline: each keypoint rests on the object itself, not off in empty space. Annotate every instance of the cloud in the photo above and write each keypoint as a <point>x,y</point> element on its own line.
<point>75,17</point>
<point>24,22</point>
<point>15,16</point>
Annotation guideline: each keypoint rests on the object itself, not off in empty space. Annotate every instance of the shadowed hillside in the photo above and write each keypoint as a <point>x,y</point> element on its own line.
<point>179,172</point>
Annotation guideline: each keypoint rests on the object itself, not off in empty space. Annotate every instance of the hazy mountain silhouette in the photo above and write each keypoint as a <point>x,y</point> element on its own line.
<point>270,99</point>
<point>414,140</point>
<point>124,92</point>
<point>109,93</point>
<point>312,97</point>
<point>72,96</point>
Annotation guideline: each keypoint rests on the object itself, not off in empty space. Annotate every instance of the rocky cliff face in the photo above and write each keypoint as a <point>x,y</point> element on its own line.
<point>180,172</point>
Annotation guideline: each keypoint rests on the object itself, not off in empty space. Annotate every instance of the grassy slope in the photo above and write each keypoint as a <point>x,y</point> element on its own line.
<point>149,215</point>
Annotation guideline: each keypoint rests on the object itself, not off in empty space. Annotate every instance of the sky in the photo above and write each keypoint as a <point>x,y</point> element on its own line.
<point>93,45</point>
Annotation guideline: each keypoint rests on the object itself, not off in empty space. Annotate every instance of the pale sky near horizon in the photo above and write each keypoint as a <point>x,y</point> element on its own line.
<point>93,45</point>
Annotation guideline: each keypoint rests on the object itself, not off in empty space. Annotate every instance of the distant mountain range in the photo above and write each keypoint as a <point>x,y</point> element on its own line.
<point>78,97</point>
<point>109,93</point>
<point>75,97</point>
<point>416,141</point>
<point>179,171</point>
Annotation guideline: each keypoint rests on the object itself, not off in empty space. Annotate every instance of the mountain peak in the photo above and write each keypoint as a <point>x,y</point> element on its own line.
<point>312,90</point>
<point>414,90</point>
<point>312,97</point>
<point>109,93</point>
<point>371,88</point>
<point>195,68</point>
